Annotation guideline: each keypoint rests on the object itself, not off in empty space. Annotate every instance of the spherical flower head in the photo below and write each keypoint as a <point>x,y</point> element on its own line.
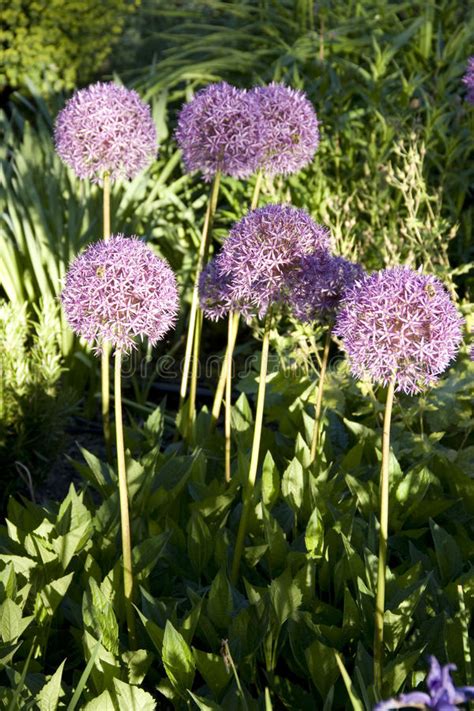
<point>106,128</point>
<point>262,252</point>
<point>218,131</point>
<point>214,291</point>
<point>118,290</point>
<point>289,132</point>
<point>468,80</point>
<point>399,323</point>
<point>442,694</point>
<point>319,286</point>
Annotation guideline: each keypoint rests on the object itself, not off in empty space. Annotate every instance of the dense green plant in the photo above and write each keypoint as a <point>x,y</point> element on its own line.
<point>57,45</point>
<point>32,408</point>
<point>302,608</point>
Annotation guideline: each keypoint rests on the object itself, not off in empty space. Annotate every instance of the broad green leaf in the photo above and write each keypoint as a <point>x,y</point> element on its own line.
<point>204,704</point>
<point>22,565</point>
<point>241,416</point>
<point>178,660</point>
<point>322,666</point>
<point>275,539</point>
<point>448,555</point>
<point>219,606</point>
<point>132,698</point>
<point>351,692</point>
<point>200,543</point>
<point>314,536</point>
<point>138,663</point>
<point>285,595</point>
<point>154,631</point>
<point>213,670</point>
<point>98,614</point>
<point>270,481</point>
<point>103,702</point>
<point>12,624</point>
<point>292,485</point>
<point>7,582</point>
<point>48,697</point>
<point>396,672</point>
<point>155,423</point>
<point>146,554</point>
<point>51,595</point>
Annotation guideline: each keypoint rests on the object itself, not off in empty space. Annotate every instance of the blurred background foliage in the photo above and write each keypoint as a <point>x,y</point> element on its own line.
<point>57,44</point>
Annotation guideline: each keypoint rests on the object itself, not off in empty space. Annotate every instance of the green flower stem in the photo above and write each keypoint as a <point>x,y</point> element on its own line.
<point>319,397</point>
<point>203,249</point>
<point>216,406</point>
<point>124,508</point>
<point>228,399</point>
<point>383,538</point>
<point>232,334</point>
<point>105,356</point>
<point>257,433</point>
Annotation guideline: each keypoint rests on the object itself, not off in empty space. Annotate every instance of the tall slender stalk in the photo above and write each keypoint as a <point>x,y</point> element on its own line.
<point>191,335</point>
<point>232,334</point>
<point>257,433</point>
<point>216,406</point>
<point>124,507</point>
<point>228,401</point>
<point>383,538</point>
<point>105,355</point>
<point>319,397</point>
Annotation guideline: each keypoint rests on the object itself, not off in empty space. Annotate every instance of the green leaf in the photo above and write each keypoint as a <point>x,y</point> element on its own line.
<point>396,672</point>
<point>220,604</point>
<point>275,539</point>
<point>103,702</point>
<point>12,625</point>
<point>155,424</point>
<point>314,536</point>
<point>154,631</point>
<point>51,595</point>
<point>138,663</point>
<point>351,692</point>
<point>7,582</point>
<point>132,698</point>
<point>200,543</point>
<point>322,666</point>
<point>285,595</point>
<point>213,670</point>
<point>448,555</point>
<point>146,554</point>
<point>204,704</point>
<point>292,485</point>
<point>178,660</point>
<point>98,614</point>
<point>48,697</point>
<point>270,481</point>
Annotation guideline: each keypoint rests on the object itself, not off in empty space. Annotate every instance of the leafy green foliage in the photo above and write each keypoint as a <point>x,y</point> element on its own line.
<point>56,46</point>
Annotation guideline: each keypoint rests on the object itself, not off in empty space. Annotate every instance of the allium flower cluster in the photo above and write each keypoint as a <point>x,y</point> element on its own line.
<point>263,251</point>
<point>106,128</point>
<point>118,290</point>
<point>468,80</point>
<point>217,130</point>
<point>399,323</point>
<point>319,286</point>
<point>442,694</point>
<point>289,133</point>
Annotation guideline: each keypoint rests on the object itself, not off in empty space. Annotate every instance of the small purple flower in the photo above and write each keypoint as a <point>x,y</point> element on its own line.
<point>399,322</point>
<point>118,290</point>
<point>262,252</point>
<point>468,80</point>
<point>106,128</point>
<point>289,133</point>
<point>218,130</point>
<point>442,694</point>
<point>318,287</point>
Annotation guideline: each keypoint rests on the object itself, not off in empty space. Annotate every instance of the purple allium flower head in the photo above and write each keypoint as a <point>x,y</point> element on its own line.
<point>442,694</point>
<point>262,252</point>
<point>106,128</point>
<point>218,130</point>
<point>118,290</point>
<point>468,80</point>
<point>289,133</point>
<point>399,322</point>
<point>214,291</point>
<point>320,284</point>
